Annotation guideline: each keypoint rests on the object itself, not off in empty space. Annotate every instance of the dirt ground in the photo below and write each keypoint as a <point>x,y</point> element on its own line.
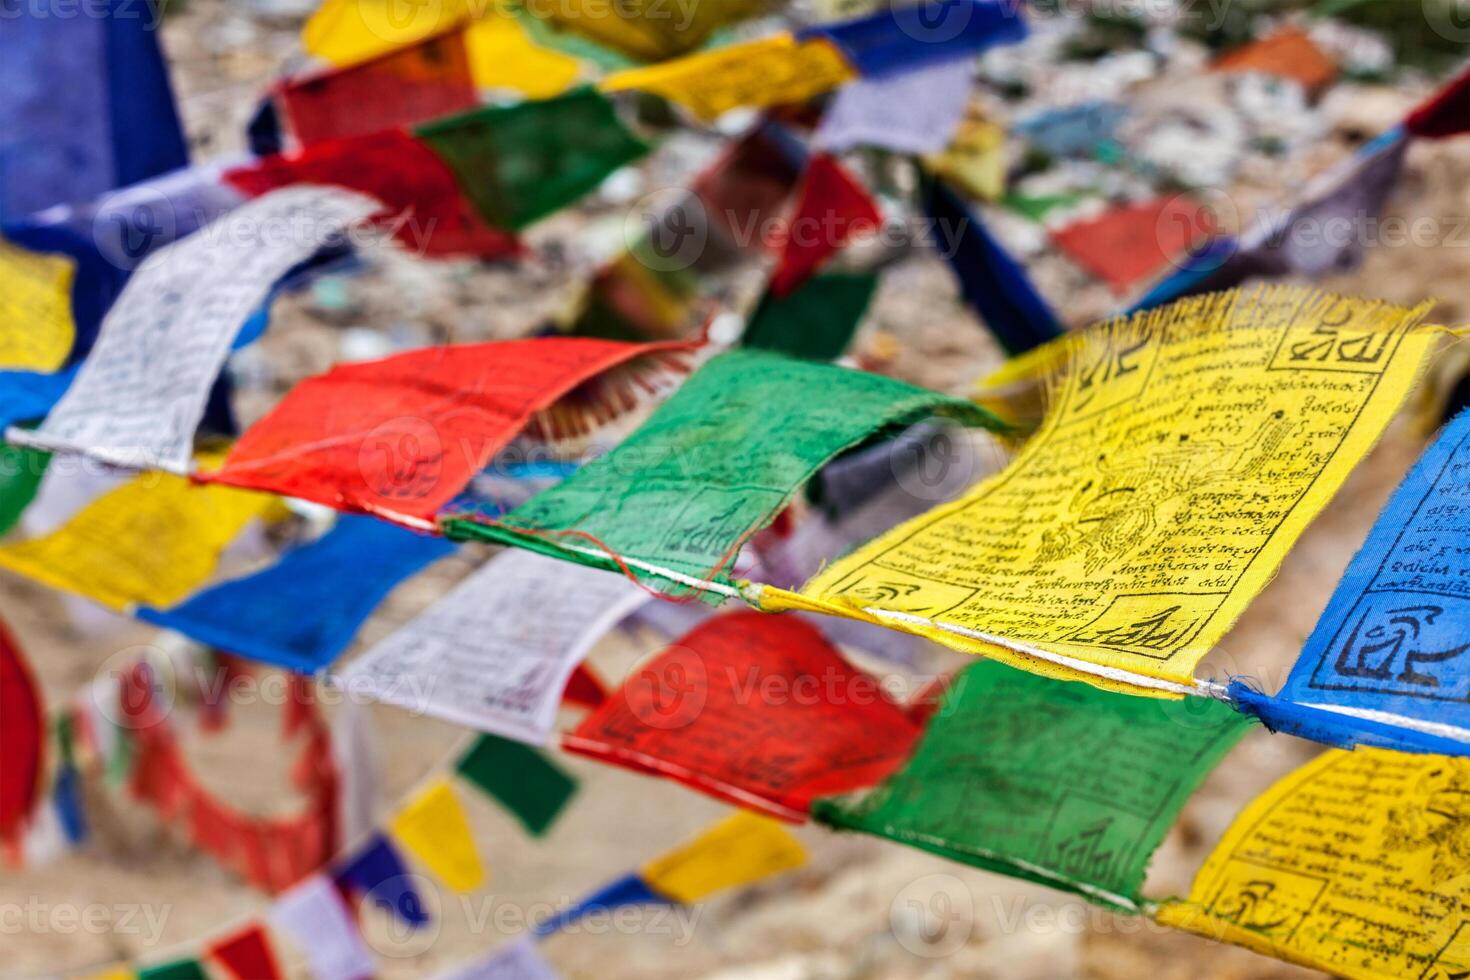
<point>862,908</point>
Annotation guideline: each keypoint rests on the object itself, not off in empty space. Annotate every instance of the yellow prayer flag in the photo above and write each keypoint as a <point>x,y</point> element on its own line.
<point>743,848</point>
<point>975,159</point>
<point>116,973</point>
<point>151,541</point>
<point>1184,452</point>
<point>649,30</point>
<point>771,71</point>
<point>1354,864</point>
<point>502,55</point>
<point>345,32</point>
<point>434,828</point>
<point>36,330</point>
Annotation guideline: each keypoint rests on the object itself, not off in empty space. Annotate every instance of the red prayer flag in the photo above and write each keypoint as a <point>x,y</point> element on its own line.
<point>22,739</point>
<point>246,954</point>
<point>1289,53</point>
<point>423,205</point>
<point>757,710</point>
<point>831,209</point>
<point>409,85</point>
<point>402,436</point>
<point>1129,244</point>
<point>1447,113</point>
<point>584,688</point>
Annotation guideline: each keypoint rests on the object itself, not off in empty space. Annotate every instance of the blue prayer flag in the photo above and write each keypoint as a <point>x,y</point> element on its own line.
<point>625,891</point>
<point>907,37</point>
<point>378,873</point>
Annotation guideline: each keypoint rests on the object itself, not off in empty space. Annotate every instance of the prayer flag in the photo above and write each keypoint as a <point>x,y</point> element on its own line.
<point>346,32</point>
<point>677,499</point>
<point>527,783</point>
<point>1289,53</point>
<point>760,711</point>
<point>246,954</point>
<point>739,850</point>
<point>1127,577</point>
<point>906,37</point>
<point>816,320</point>
<point>1057,783</point>
<point>519,960</point>
<point>298,613</point>
<point>477,659</point>
<point>1352,865</point>
<point>22,740</point>
<point>320,925</point>
<point>434,829</point>
<point>376,871</point>
<point>916,112</point>
<point>831,209</point>
<point>36,331</point>
<point>402,436</point>
<point>1445,114</point>
<point>1128,244</point>
<point>182,969</point>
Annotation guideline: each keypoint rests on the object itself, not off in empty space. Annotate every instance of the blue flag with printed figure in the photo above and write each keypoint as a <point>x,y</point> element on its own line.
<point>1388,664</point>
<point>304,610</point>
<point>85,103</point>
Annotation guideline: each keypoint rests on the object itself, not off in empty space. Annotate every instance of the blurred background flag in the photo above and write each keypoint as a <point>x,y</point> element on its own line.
<point>110,123</point>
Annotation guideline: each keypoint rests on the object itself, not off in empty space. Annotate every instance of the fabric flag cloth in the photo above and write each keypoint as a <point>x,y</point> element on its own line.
<point>346,32</point>
<point>36,331</point>
<point>519,960</point>
<point>140,395</point>
<point>907,37</point>
<point>642,29</point>
<point>402,436</point>
<point>475,658</point>
<point>1352,865</point>
<point>504,56</point>
<point>916,112</point>
<point>1145,420</point>
<point>320,925</point>
<point>412,84</point>
<point>1073,131</point>
<point>677,499</point>
<point>1389,662</point>
<point>245,954</point>
<point>181,969</point>
<point>769,71</point>
<point>376,872</point>
<point>699,713</point>
<point>741,849</point>
<point>22,740</point>
<point>434,829</point>
<point>1289,53</point>
<point>816,321</point>
<point>975,159</point>
<point>1128,244</point>
<point>26,396</point>
<point>518,163</point>
<point>424,206</point>
<point>629,890</point>
<point>524,781</point>
<point>1010,777</point>
<point>151,541</point>
<point>831,209</point>
<point>993,284</point>
<point>1326,233</point>
<point>87,105</point>
<point>296,613</point>
<point>1445,114</point>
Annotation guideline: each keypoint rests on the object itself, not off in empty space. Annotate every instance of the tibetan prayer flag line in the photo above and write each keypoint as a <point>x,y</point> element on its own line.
<point>139,397</point>
<point>297,613</point>
<point>714,464</point>
<point>151,541</point>
<point>1127,583</point>
<point>759,711</point>
<point>1389,662</point>
<point>402,436</point>
<point>524,781</point>
<point>85,105</point>
<point>1060,784</point>
<point>1353,865</point>
<point>476,658</point>
<point>36,331</point>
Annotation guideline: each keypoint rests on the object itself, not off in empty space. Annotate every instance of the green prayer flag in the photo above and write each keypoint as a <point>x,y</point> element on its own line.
<point>1037,208</point>
<point>528,784</point>
<point>1052,781</point>
<point>714,464</point>
<point>817,321</point>
<point>185,969</point>
<point>21,469</point>
<point>517,163</point>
